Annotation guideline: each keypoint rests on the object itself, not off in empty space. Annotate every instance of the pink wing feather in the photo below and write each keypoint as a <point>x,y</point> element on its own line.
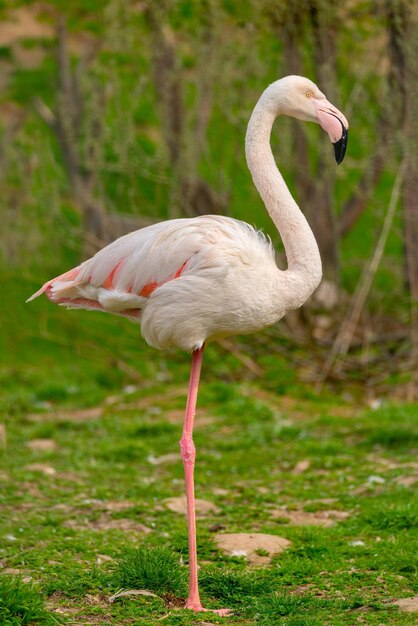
<point>121,277</point>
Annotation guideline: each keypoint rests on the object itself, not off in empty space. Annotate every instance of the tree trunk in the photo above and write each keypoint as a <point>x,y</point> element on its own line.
<point>323,25</point>
<point>403,50</point>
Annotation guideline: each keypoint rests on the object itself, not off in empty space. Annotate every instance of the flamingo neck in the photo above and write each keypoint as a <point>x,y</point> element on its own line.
<point>304,262</point>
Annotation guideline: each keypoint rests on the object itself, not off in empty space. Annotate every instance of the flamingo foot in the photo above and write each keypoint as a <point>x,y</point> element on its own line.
<point>197,607</point>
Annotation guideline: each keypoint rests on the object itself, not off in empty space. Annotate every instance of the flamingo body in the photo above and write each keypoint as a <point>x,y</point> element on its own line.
<point>187,281</point>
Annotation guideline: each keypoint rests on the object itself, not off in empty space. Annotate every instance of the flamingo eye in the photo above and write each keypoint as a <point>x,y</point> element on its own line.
<point>309,93</point>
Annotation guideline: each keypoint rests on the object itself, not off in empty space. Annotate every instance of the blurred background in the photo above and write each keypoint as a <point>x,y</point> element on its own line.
<point>118,114</point>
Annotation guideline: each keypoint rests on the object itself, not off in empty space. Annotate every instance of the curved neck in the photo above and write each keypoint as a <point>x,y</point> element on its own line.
<point>304,262</point>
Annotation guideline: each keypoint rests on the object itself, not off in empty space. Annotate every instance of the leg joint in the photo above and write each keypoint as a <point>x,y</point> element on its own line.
<point>188,450</point>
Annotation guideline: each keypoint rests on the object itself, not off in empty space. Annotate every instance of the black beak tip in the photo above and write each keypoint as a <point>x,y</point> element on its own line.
<point>340,146</point>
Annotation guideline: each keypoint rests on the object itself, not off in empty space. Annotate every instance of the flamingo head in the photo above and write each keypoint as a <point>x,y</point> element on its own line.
<point>299,97</point>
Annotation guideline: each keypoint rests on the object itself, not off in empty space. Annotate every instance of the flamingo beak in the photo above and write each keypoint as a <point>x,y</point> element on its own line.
<point>340,146</point>
<point>335,124</point>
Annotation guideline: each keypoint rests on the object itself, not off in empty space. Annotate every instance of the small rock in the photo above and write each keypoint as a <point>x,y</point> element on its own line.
<point>408,605</point>
<point>103,558</point>
<point>41,467</point>
<point>249,544</point>
<point>128,389</point>
<point>302,466</point>
<point>376,480</point>
<point>42,445</point>
<point>306,518</point>
<point>110,505</point>
<point>80,415</point>
<point>406,481</point>
<point>179,505</point>
<point>219,491</point>
<point>111,400</point>
<point>13,571</point>
<point>3,436</point>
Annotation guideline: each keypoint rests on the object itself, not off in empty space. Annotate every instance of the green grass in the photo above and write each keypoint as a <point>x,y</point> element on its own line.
<point>231,586</point>
<point>155,569</point>
<point>21,603</point>
<point>85,515</point>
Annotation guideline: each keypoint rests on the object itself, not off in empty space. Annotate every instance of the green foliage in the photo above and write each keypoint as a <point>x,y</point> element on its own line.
<point>75,582</point>
<point>393,517</point>
<point>21,603</point>
<point>281,605</point>
<point>231,587</point>
<point>155,569</point>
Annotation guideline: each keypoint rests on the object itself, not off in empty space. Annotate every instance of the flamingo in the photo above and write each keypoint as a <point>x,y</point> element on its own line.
<point>191,281</point>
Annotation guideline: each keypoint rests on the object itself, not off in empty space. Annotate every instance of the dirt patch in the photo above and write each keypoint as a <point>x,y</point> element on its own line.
<point>151,402</point>
<point>220,491</point>
<point>176,416</point>
<point>104,558</point>
<point>408,605</point>
<point>42,445</point>
<point>23,23</point>
<point>258,548</point>
<point>389,464</point>
<point>305,518</point>
<point>29,488</point>
<point>48,470</point>
<point>170,457</point>
<point>83,415</point>
<point>110,505</point>
<point>26,23</point>
<point>301,467</point>
<point>3,436</point>
<point>96,505</point>
<point>179,505</point>
<point>322,501</point>
<point>104,522</point>
<point>406,481</point>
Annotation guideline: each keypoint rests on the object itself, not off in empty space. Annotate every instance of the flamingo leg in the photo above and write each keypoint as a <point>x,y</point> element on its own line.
<point>188,454</point>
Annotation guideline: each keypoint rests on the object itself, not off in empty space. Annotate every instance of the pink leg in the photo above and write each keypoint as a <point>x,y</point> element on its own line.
<point>188,454</point>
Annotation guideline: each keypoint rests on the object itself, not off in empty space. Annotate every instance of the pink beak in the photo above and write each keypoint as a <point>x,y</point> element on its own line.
<point>335,124</point>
